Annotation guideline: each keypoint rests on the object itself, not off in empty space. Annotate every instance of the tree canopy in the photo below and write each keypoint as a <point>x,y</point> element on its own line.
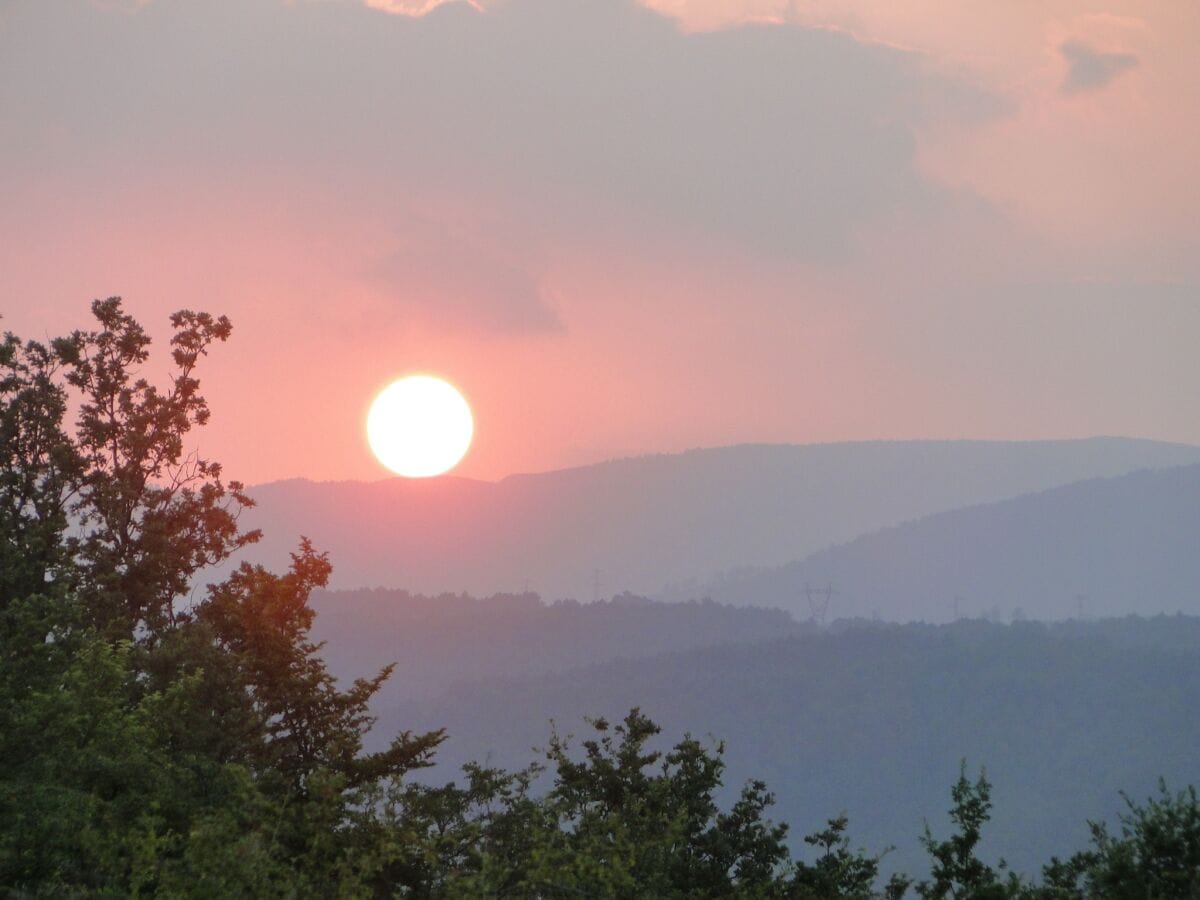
<point>147,732</point>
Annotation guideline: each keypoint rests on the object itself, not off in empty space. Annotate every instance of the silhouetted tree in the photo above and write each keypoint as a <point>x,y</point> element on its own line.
<point>957,872</point>
<point>624,820</point>
<point>1156,856</point>
<point>840,872</point>
<point>149,746</point>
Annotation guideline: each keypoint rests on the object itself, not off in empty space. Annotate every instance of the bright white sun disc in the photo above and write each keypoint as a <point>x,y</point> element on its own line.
<point>420,426</point>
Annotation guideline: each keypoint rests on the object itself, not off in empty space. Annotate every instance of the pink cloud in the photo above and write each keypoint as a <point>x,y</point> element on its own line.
<point>414,8</point>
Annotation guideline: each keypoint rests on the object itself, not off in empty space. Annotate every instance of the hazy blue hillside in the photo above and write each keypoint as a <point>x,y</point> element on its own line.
<point>873,721</point>
<point>647,522</point>
<point>1114,546</point>
<point>438,641</point>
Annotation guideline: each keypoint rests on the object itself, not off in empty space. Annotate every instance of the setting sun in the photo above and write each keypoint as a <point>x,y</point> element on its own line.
<point>420,426</point>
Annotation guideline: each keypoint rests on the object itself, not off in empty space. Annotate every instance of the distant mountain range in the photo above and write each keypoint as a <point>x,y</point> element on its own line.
<point>867,718</point>
<point>871,720</point>
<point>645,523</point>
<point>1106,546</point>
<point>435,642</point>
<point>874,723</point>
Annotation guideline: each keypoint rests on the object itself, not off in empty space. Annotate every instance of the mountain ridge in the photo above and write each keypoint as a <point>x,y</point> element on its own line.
<point>641,523</point>
<point>1098,544</point>
<point>723,448</point>
<point>874,721</point>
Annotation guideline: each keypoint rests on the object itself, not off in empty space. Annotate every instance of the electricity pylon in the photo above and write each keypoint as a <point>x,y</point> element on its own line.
<point>818,601</point>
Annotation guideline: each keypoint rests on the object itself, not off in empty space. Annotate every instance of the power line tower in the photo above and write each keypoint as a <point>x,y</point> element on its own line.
<point>596,586</point>
<point>818,601</point>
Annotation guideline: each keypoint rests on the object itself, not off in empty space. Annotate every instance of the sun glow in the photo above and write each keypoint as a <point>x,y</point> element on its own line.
<point>420,426</point>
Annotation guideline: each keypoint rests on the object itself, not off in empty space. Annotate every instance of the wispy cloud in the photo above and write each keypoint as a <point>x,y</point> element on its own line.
<point>1089,69</point>
<point>453,282</point>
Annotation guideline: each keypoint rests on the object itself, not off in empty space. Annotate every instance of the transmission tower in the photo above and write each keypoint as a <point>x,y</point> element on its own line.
<point>818,601</point>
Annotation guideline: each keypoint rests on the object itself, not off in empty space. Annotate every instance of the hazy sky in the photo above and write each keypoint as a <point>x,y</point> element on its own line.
<point>622,227</point>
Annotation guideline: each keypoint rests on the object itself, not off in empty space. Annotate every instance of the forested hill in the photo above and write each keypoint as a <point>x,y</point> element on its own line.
<point>874,721</point>
<point>438,641</point>
<point>1107,546</point>
<point>646,522</point>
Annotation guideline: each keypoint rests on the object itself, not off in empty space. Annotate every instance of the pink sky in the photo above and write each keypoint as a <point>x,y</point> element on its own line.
<point>622,230</point>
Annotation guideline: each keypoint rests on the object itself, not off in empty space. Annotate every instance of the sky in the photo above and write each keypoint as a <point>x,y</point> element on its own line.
<point>621,227</point>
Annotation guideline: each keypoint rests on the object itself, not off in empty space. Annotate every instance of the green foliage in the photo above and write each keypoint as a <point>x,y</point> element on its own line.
<point>1156,856</point>
<point>149,747</point>
<point>628,820</point>
<point>839,871</point>
<point>39,469</point>
<point>622,820</point>
<point>262,620</point>
<point>152,514</point>
<point>957,872</point>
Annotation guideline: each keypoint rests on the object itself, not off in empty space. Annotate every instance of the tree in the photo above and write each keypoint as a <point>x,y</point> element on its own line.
<point>150,745</point>
<point>840,872</point>
<point>957,873</point>
<point>1156,856</point>
<point>625,820</point>
<point>39,469</point>
<point>152,514</point>
<point>262,620</point>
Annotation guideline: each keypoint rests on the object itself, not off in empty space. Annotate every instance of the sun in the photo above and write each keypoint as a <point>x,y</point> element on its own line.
<point>420,426</point>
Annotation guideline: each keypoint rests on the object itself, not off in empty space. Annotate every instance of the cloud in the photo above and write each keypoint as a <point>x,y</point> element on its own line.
<point>120,6</point>
<point>783,139</point>
<point>412,7</point>
<point>456,283</point>
<point>1089,69</point>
